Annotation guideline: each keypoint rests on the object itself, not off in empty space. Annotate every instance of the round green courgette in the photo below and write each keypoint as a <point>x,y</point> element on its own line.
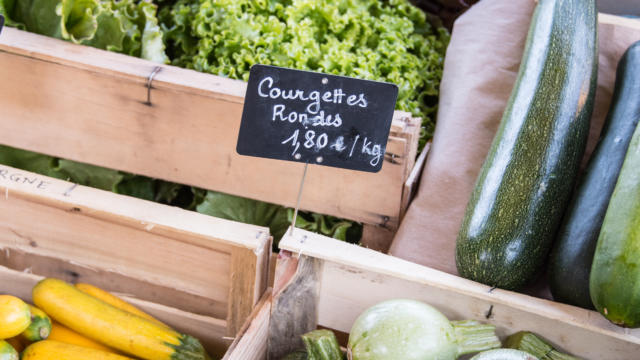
<point>526,181</point>
<point>504,354</point>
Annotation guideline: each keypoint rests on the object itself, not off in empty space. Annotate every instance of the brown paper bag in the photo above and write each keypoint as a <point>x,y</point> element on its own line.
<point>481,66</point>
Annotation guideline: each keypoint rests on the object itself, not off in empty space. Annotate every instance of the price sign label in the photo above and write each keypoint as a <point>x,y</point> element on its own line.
<point>316,118</point>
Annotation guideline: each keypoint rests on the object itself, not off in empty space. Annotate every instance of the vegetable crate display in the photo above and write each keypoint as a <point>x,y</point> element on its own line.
<point>129,114</point>
<point>325,283</point>
<point>199,274</point>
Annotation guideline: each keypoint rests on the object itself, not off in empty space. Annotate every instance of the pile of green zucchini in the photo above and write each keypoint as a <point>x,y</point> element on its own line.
<point>526,210</point>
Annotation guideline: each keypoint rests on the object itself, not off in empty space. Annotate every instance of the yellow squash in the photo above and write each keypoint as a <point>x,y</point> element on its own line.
<point>40,326</point>
<point>65,335</point>
<point>113,300</point>
<point>111,326</point>
<point>55,350</point>
<point>7,352</point>
<point>15,316</point>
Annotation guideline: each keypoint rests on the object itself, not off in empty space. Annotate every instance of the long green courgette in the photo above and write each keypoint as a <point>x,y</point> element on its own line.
<point>526,181</point>
<point>572,255</point>
<point>614,281</point>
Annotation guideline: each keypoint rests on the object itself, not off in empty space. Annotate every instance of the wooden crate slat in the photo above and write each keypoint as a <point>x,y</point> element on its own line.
<point>223,264</point>
<point>354,278</point>
<point>251,342</point>
<point>114,281</point>
<point>89,105</point>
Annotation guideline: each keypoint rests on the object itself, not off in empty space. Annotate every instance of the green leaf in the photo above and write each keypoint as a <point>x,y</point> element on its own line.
<point>28,161</point>
<point>137,186</point>
<point>247,211</point>
<point>77,19</point>
<point>89,175</point>
<point>377,40</point>
<point>125,26</point>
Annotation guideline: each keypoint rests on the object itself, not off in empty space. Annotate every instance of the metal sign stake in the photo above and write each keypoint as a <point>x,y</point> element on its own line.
<point>295,212</point>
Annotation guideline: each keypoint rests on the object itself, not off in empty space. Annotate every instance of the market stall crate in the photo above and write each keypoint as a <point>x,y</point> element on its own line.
<point>129,114</point>
<point>200,274</point>
<point>325,283</point>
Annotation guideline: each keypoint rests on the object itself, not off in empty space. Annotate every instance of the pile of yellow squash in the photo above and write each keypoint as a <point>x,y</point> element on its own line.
<point>74,322</point>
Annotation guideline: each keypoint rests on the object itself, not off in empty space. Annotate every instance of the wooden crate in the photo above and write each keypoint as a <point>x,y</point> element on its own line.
<point>179,125</point>
<point>200,274</point>
<point>328,283</point>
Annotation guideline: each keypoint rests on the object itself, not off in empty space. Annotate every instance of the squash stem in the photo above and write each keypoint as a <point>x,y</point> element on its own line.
<point>322,345</point>
<point>534,345</point>
<point>473,336</point>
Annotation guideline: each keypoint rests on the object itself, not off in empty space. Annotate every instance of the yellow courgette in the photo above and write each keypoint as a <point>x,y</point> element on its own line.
<point>65,335</point>
<point>40,326</point>
<point>7,352</point>
<point>15,316</point>
<point>113,300</point>
<point>111,326</point>
<point>49,350</point>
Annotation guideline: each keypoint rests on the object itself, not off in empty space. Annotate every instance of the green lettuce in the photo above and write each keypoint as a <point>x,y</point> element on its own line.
<point>124,26</point>
<point>371,39</point>
<point>277,218</point>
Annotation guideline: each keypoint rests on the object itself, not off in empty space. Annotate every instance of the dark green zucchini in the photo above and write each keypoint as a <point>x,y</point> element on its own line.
<point>570,261</point>
<point>614,282</point>
<point>525,183</point>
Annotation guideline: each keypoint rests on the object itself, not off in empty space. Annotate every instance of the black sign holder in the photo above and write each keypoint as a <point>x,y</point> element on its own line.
<point>311,117</point>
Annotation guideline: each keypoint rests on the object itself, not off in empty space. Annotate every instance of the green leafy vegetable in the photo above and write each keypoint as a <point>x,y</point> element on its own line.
<point>276,217</point>
<point>379,40</point>
<point>246,210</point>
<point>125,26</point>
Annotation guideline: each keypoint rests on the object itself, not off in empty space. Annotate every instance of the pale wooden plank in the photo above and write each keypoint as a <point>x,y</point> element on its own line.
<point>251,342</point>
<point>355,278</point>
<point>413,180</point>
<point>75,272</point>
<point>145,240</point>
<point>618,21</point>
<point>248,279</point>
<point>189,226</point>
<point>91,106</point>
<point>49,231</point>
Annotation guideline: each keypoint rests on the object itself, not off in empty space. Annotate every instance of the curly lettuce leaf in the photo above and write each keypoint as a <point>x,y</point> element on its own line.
<point>372,39</point>
<point>125,26</point>
<point>29,161</point>
<point>247,211</point>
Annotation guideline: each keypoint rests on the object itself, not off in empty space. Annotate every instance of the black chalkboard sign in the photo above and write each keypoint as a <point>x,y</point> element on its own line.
<point>316,118</point>
<point>1,22</point>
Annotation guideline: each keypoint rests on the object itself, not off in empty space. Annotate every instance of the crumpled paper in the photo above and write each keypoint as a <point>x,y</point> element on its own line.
<point>480,70</point>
